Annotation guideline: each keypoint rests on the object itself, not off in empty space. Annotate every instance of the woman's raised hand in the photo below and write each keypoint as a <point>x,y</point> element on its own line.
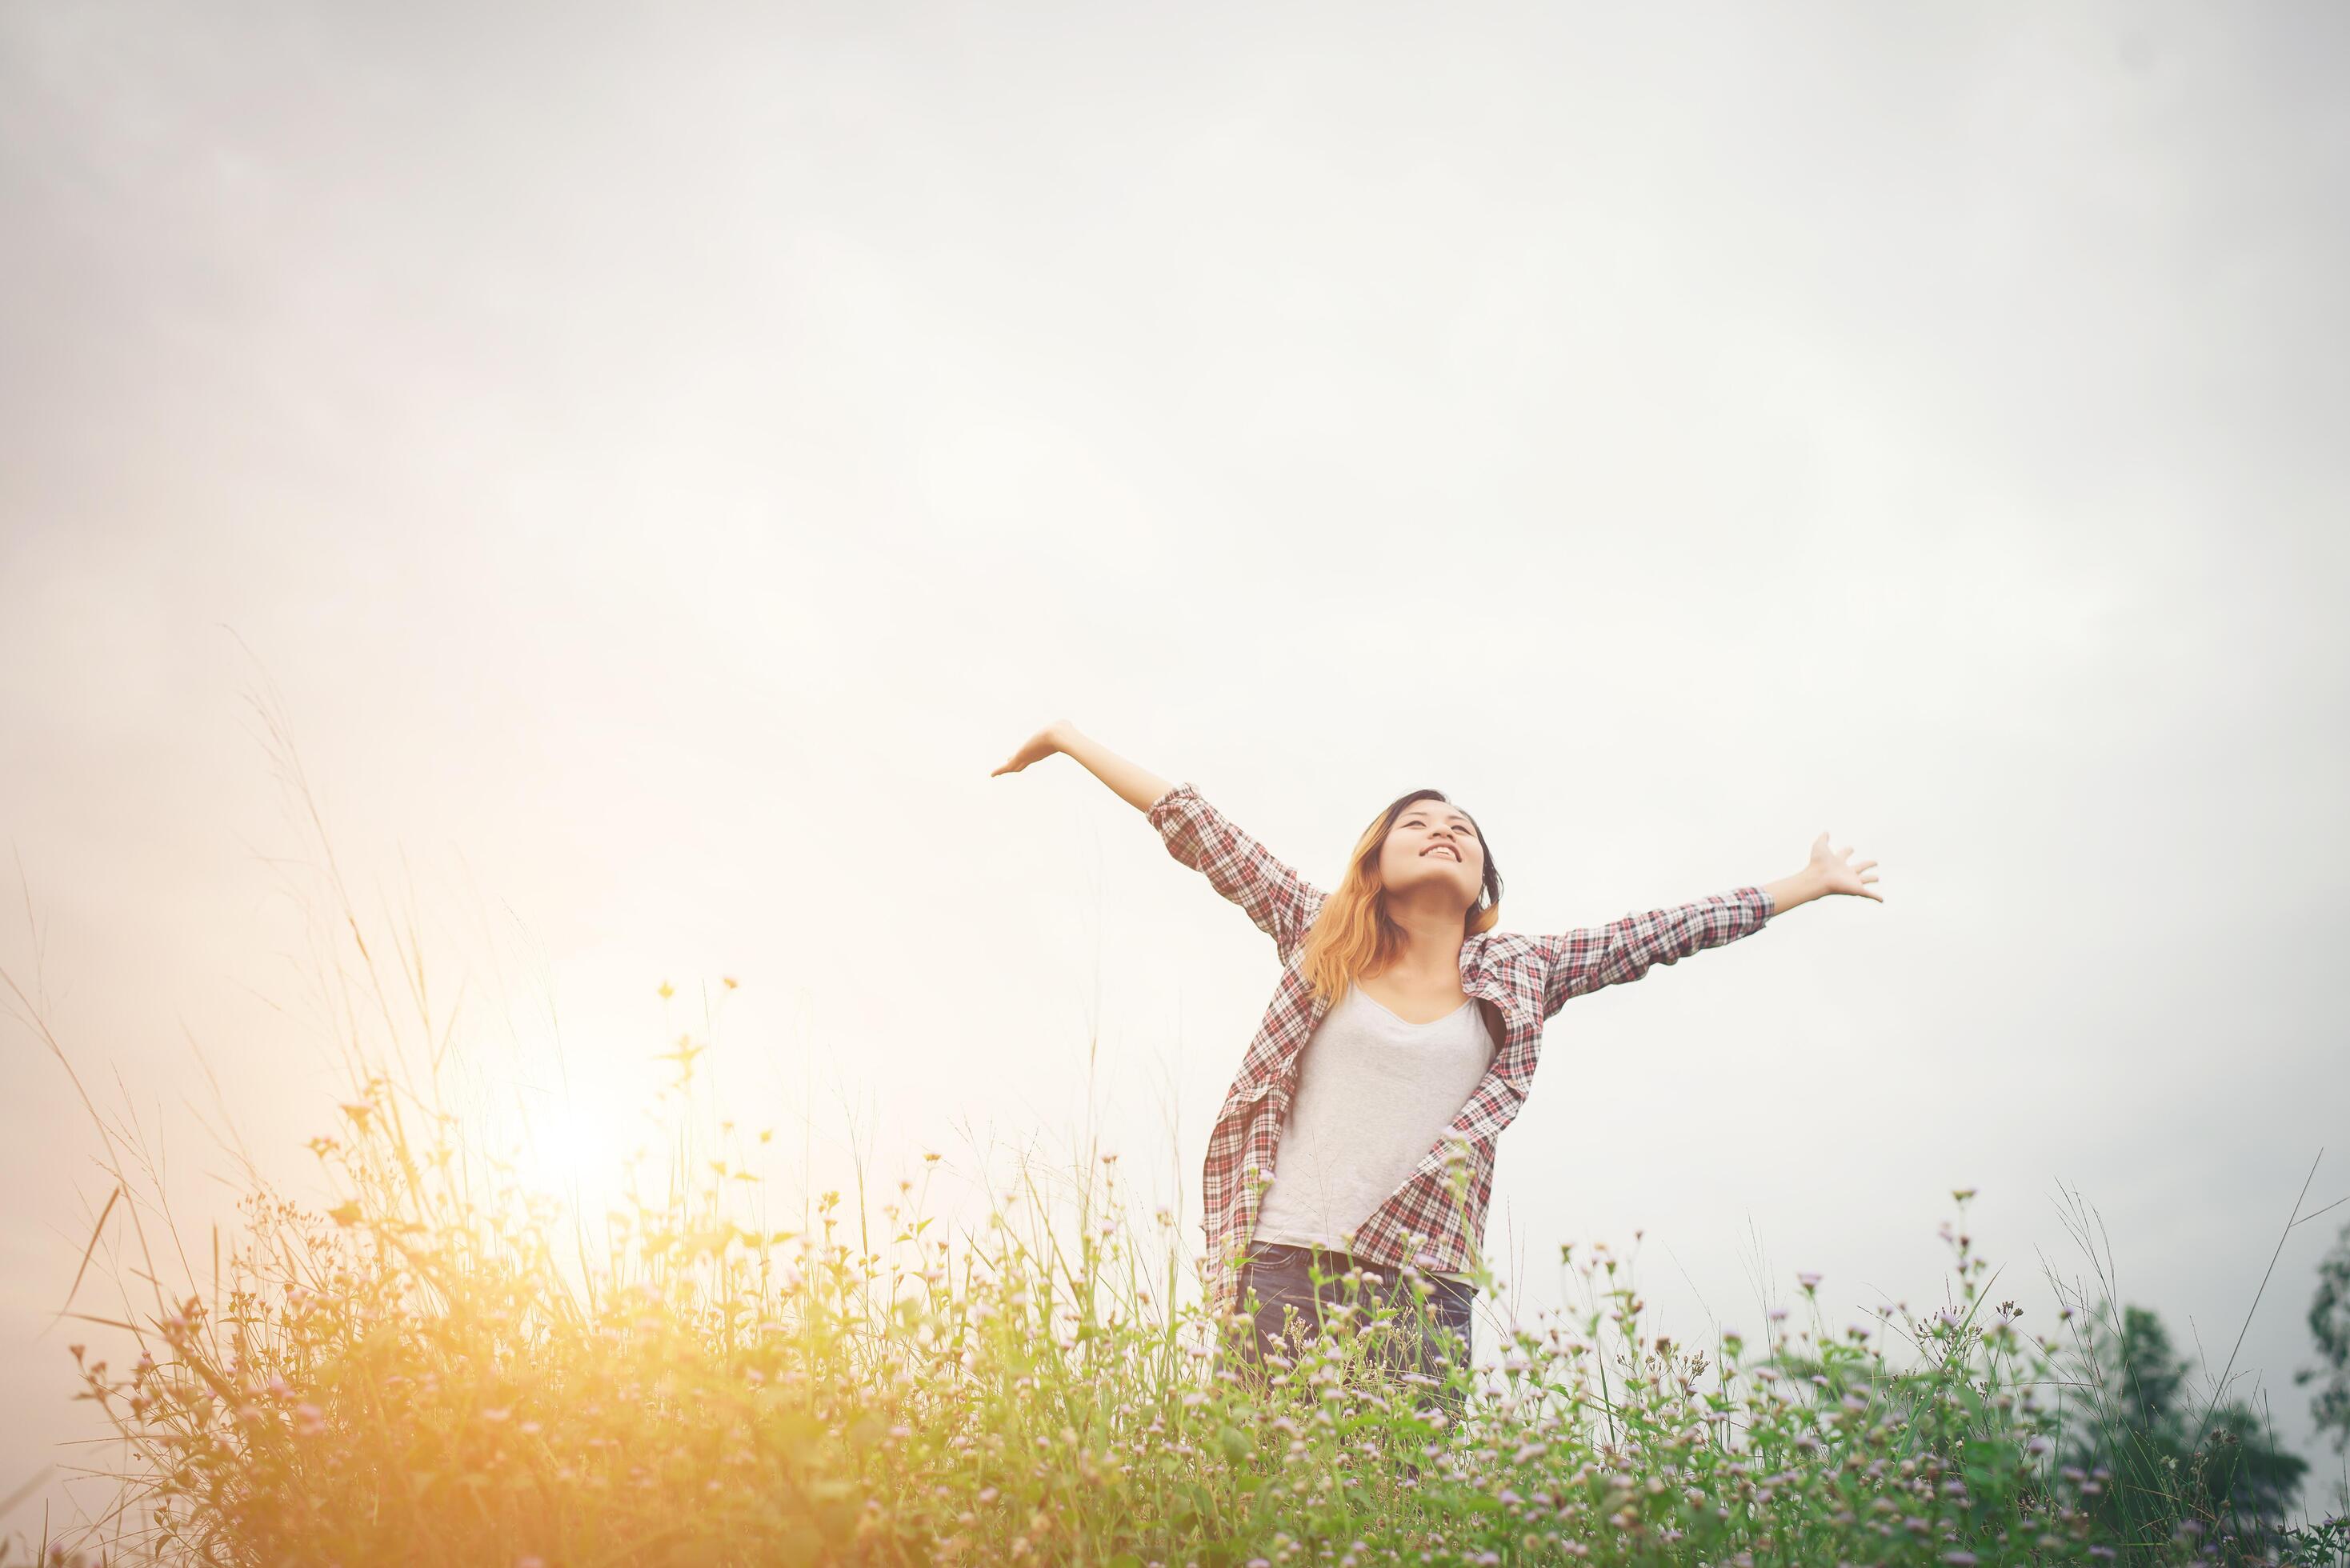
<point>1838,873</point>
<point>1139,787</point>
<point>1036,747</point>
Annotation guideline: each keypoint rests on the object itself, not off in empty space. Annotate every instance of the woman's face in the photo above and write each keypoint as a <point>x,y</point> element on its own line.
<point>1432,846</point>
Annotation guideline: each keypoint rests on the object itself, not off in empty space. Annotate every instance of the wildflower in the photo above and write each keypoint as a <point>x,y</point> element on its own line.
<point>309,1420</point>
<point>667,990</point>
<point>1807,1280</point>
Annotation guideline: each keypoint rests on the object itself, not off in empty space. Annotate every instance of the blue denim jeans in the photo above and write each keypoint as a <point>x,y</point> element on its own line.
<point>1431,1330</point>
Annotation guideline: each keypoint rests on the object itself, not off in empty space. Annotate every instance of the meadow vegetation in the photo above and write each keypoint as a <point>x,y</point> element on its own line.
<point>439,1368</point>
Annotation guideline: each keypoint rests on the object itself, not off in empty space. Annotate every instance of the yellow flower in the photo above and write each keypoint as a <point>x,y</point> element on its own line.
<point>667,990</point>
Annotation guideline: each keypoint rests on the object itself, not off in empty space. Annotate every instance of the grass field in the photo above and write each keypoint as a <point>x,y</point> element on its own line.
<point>441,1368</point>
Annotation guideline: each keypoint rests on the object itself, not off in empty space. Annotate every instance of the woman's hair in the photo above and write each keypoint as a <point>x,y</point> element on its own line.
<point>1352,937</point>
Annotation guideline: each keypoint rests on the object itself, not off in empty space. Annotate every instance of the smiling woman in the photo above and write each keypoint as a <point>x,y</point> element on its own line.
<point>1421,880</point>
<point>1355,1146</point>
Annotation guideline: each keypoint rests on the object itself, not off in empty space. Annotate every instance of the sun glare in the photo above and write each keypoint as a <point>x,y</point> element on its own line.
<point>559,1153</point>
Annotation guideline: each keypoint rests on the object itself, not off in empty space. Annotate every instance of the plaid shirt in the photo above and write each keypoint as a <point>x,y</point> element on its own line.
<point>1436,1219</point>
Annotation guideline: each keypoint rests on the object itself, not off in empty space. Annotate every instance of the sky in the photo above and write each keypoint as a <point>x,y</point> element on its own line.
<point>648,466</point>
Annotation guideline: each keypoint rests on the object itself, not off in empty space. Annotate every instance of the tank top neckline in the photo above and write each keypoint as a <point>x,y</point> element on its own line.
<point>1466,1003</point>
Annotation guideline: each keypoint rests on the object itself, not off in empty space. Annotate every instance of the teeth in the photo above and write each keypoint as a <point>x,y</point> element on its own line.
<point>1440,850</point>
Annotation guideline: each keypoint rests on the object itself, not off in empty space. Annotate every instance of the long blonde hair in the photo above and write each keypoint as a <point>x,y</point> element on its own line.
<point>1352,937</point>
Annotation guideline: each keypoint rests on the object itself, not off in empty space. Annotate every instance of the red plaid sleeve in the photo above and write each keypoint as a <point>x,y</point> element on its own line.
<point>1273,895</point>
<point>1586,960</point>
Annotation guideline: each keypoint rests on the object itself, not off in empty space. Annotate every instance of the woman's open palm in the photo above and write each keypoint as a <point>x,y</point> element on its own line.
<point>1043,743</point>
<point>1838,873</point>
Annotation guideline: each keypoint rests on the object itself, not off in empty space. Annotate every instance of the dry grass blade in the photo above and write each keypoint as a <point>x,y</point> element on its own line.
<point>87,1253</point>
<point>9,1504</point>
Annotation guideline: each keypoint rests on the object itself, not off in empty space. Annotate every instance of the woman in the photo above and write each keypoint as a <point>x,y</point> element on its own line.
<point>1353,1152</point>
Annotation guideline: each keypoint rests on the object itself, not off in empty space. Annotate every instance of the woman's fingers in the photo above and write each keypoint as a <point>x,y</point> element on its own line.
<point>1040,746</point>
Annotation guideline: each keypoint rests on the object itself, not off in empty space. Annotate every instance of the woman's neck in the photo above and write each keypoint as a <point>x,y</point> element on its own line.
<point>1432,937</point>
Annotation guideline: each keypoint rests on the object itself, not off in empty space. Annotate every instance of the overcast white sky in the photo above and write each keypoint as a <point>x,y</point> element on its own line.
<point>665,460</point>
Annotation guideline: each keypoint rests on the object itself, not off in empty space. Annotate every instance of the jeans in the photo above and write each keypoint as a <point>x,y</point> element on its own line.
<point>1429,1334</point>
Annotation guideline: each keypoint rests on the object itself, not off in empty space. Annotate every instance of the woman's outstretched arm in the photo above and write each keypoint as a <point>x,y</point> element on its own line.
<point>1136,786</point>
<point>1614,954</point>
<point>1623,950</point>
<point>1272,893</point>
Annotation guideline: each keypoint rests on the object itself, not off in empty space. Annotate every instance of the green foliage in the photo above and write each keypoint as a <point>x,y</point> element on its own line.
<point>2156,1459</point>
<point>2329,1326</point>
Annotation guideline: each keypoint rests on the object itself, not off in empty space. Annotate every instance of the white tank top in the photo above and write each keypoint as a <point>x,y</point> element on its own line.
<point>1373,1093</point>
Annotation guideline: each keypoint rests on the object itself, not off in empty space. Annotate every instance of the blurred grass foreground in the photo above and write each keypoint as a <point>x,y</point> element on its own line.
<point>413,1378</point>
<point>409,1377</point>
<point>437,1367</point>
